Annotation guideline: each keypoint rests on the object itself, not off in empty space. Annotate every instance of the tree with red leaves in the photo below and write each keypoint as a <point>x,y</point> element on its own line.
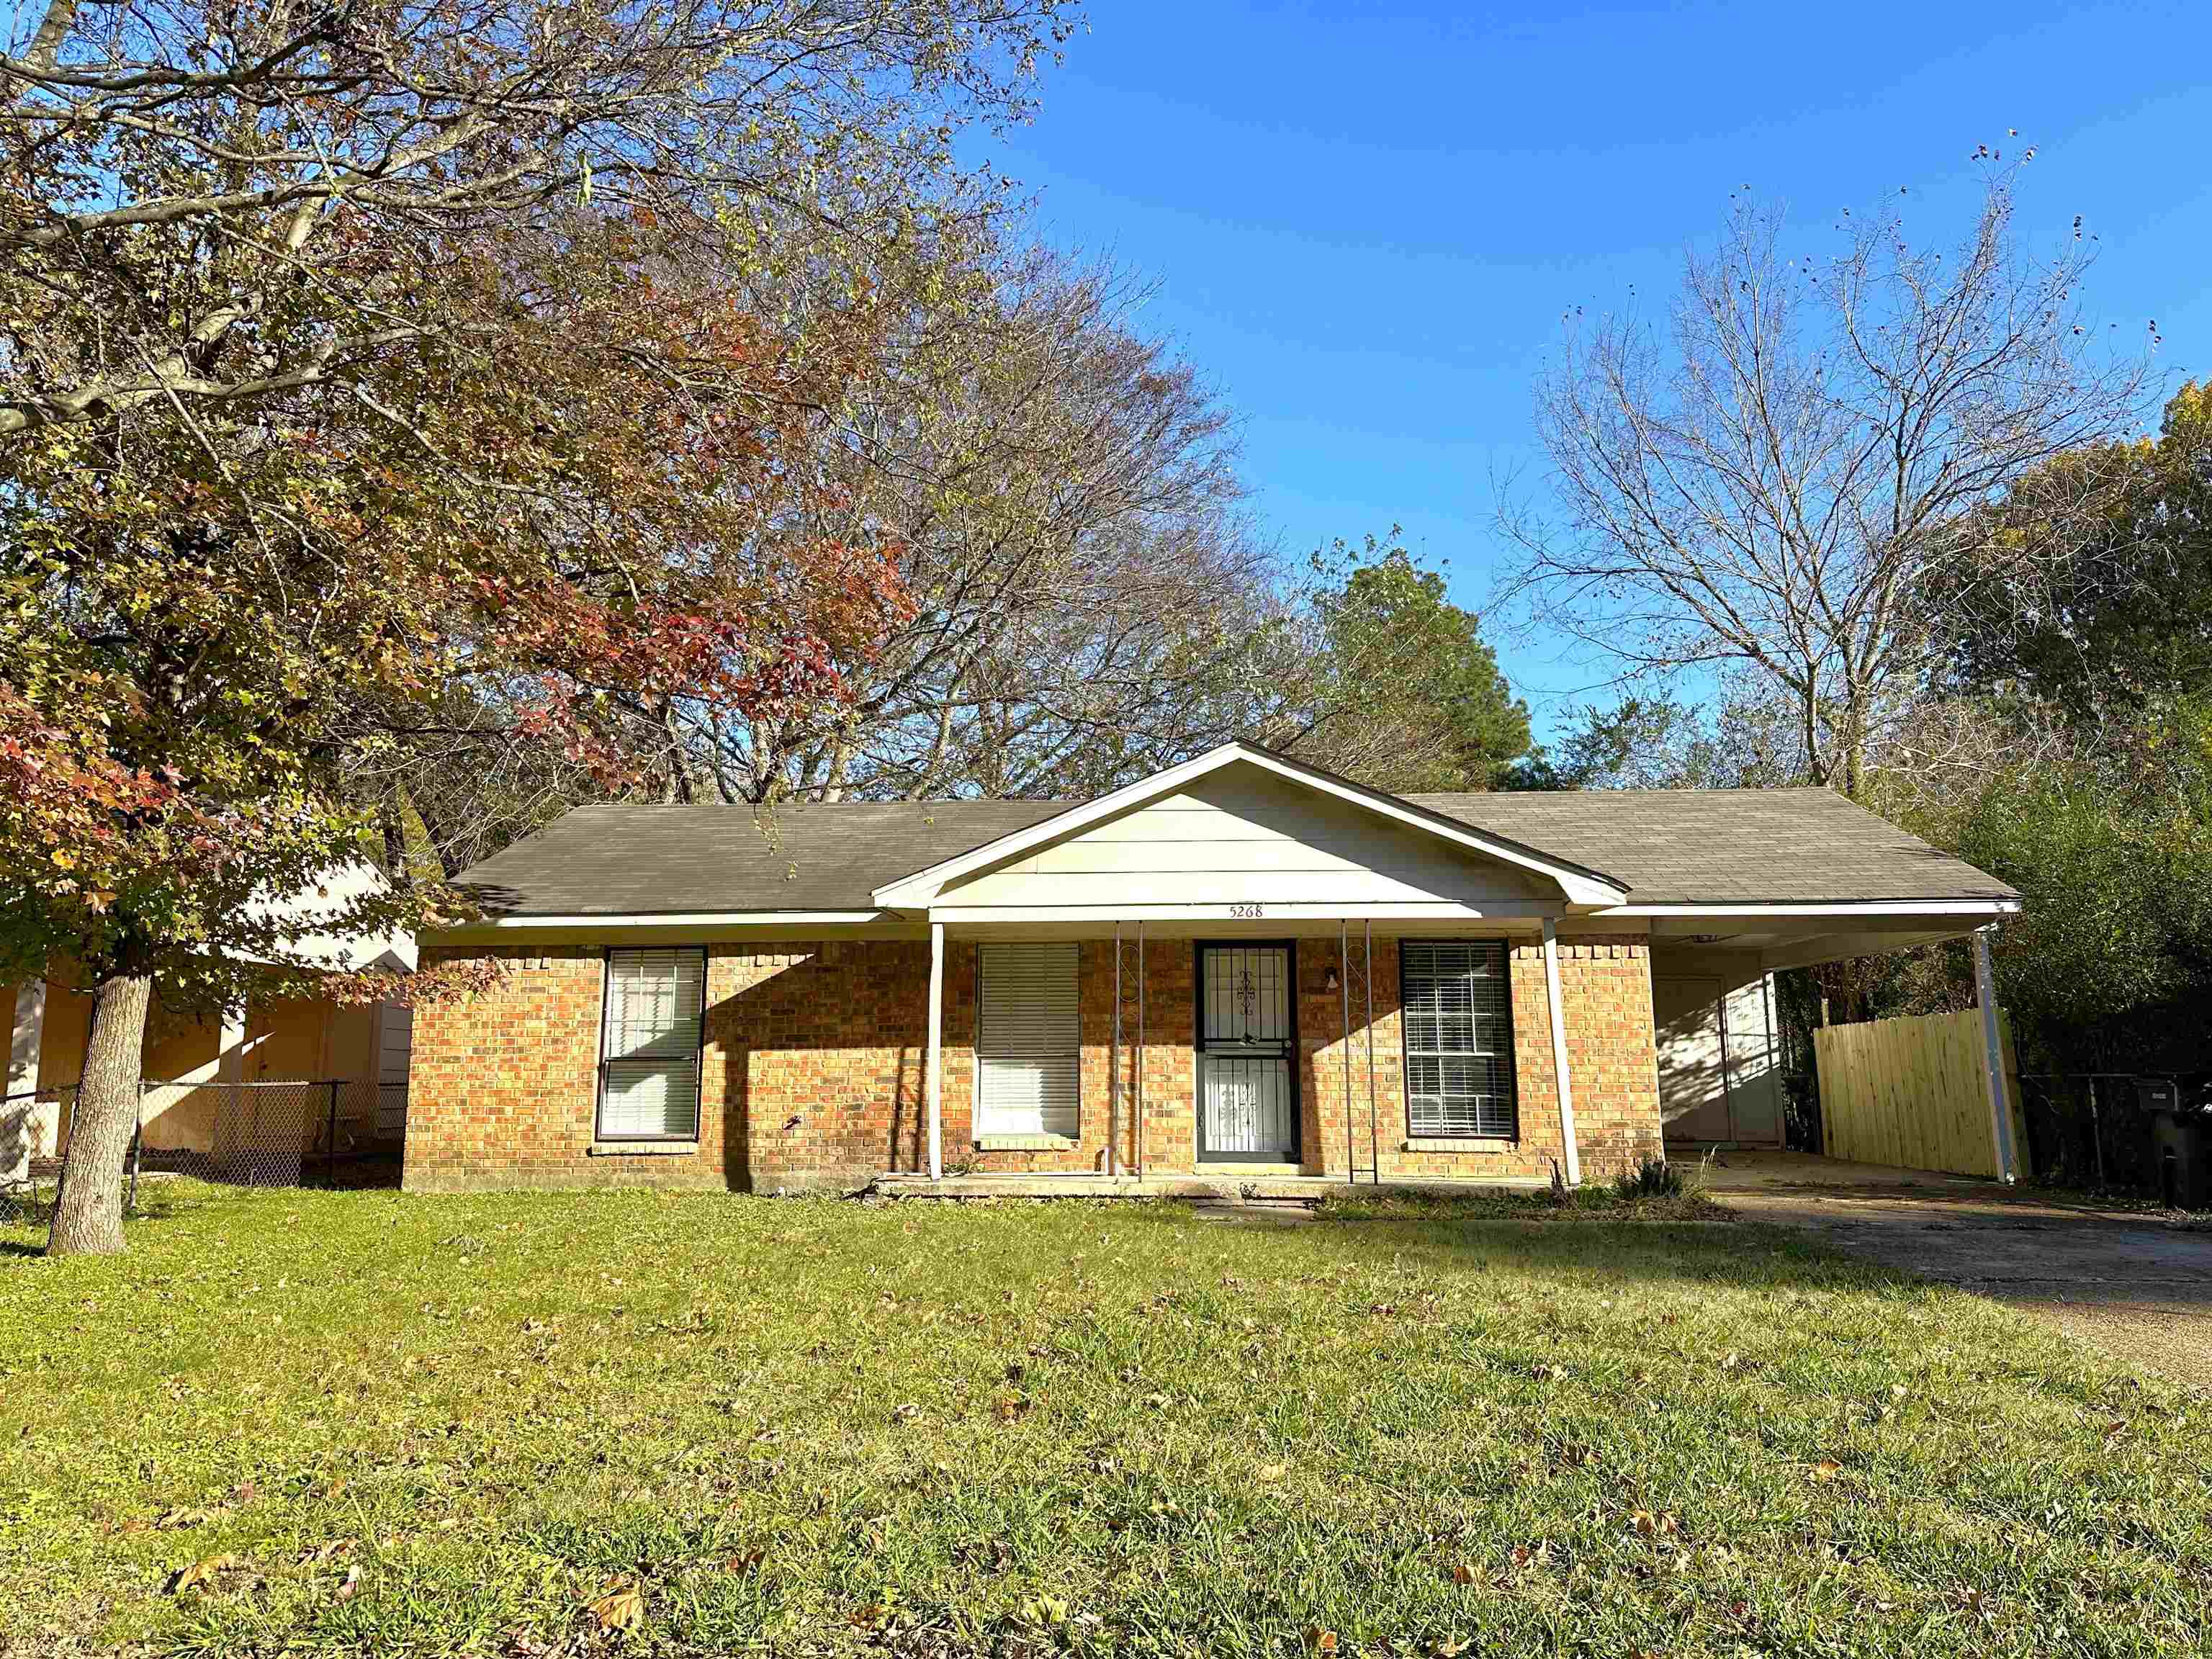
<point>355,359</point>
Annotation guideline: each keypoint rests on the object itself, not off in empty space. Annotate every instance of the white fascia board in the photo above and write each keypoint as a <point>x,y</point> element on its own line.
<point>1958,907</point>
<point>1581,887</point>
<point>690,919</point>
<point>634,922</point>
<point>1317,911</point>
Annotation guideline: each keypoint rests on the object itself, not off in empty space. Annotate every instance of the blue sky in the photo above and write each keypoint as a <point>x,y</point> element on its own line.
<point>1365,223</point>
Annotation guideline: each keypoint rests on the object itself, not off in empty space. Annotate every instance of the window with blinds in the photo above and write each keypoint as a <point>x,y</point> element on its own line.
<point>649,1046</point>
<point>1027,1038</point>
<point>1459,1038</point>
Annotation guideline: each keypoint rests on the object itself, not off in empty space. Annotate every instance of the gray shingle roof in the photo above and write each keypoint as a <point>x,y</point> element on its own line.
<point>1727,846</point>
<point>619,861</point>
<point>1669,846</point>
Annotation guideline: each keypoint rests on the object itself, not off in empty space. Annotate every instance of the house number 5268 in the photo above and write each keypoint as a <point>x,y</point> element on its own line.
<point>1244,910</point>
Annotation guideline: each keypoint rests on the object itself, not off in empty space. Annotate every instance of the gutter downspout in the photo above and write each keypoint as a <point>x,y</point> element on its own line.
<point>1559,1051</point>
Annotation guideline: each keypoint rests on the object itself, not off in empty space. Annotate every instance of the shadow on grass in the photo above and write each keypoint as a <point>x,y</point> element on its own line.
<point>1686,1239</point>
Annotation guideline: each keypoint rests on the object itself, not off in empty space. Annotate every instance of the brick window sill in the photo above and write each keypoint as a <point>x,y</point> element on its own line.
<point>1487,1144</point>
<point>1025,1144</point>
<point>643,1149</point>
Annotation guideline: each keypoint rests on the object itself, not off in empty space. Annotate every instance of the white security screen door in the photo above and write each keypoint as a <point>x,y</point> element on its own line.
<point>649,1059</point>
<point>1248,1094</point>
<point>1028,1041</point>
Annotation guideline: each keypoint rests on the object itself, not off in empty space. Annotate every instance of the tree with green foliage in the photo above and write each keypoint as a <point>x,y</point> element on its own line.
<point>2112,616</point>
<point>2112,850</point>
<point>1405,694</point>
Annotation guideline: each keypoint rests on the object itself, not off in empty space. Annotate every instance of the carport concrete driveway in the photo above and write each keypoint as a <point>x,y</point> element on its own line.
<point>2132,1281</point>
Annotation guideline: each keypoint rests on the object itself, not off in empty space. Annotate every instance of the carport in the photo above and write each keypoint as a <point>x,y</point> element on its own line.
<point>1713,1010</point>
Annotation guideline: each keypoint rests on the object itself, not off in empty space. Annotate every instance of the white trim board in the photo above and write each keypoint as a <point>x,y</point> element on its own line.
<point>682,919</point>
<point>1957,907</point>
<point>1583,888</point>
<point>1257,915</point>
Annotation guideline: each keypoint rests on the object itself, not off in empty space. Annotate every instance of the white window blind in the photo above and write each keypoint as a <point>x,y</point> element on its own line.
<point>649,1062</point>
<point>1027,1040</point>
<point>1459,1038</point>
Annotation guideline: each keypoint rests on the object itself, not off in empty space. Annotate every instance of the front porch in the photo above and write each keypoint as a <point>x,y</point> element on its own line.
<point>1210,1057</point>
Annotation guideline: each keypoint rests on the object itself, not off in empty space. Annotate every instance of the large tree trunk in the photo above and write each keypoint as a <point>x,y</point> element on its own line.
<point>89,1218</point>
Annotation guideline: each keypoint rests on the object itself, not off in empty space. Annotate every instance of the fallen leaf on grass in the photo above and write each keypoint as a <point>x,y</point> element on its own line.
<point>618,1606</point>
<point>1462,1573</point>
<point>1827,1469</point>
<point>1274,1470</point>
<point>352,1582</point>
<point>205,1571</point>
<point>1446,1647</point>
<point>1011,1408</point>
<point>1319,1640</point>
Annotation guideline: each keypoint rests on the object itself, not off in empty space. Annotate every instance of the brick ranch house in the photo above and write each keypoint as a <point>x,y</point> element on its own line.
<point>1240,968</point>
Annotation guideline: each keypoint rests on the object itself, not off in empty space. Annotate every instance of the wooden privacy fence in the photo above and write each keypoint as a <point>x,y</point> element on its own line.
<point>1914,1093</point>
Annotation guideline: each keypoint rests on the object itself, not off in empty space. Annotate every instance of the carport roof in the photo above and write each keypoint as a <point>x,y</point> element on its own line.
<point>1730,847</point>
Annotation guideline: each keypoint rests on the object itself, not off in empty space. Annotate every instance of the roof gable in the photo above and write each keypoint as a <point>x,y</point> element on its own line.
<point>1578,885</point>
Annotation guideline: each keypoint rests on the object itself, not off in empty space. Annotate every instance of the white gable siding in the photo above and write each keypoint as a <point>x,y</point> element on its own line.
<point>1242,836</point>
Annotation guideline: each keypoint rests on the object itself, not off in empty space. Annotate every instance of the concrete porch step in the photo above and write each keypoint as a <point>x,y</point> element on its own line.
<point>1209,1185</point>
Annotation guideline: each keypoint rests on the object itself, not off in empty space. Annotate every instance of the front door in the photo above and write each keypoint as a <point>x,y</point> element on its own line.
<point>1247,1091</point>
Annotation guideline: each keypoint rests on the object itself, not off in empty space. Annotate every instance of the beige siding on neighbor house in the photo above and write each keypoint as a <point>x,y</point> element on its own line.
<point>1244,837</point>
<point>284,1041</point>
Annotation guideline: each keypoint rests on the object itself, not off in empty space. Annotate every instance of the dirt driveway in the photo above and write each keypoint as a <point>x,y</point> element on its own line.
<point>2127,1280</point>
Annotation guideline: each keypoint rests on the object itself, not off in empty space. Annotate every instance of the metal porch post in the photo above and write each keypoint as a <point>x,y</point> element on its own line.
<point>1559,1052</point>
<point>1114,1061</point>
<point>934,1063</point>
<point>1344,985</point>
<point>1142,1053</point>
<point>1985,994</point>
<point>1374,1134</point>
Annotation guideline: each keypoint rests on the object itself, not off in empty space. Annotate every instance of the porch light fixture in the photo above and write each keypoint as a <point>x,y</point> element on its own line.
<point>1330,981</point>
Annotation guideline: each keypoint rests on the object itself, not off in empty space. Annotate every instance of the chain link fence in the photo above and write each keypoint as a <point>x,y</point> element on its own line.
<point>283,1132</point>
<point>2095,1130</point>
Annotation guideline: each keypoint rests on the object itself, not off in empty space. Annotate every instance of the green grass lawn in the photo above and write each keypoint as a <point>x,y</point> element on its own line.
<point>421,1426</point>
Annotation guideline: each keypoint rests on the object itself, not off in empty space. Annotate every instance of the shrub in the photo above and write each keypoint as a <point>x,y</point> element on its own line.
<point>1653,1177</point>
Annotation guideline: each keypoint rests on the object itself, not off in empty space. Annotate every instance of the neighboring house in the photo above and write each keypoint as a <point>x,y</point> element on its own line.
<point>199,1066</point>
<point>1240,967</point>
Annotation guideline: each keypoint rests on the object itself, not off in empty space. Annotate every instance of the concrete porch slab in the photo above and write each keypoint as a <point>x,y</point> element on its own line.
<point>1200,1186</point>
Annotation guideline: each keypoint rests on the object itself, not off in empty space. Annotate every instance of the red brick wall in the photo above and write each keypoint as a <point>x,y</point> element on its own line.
<point>503,1087</point>
<point>1611,1060</point>
<point>812,1075</point>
